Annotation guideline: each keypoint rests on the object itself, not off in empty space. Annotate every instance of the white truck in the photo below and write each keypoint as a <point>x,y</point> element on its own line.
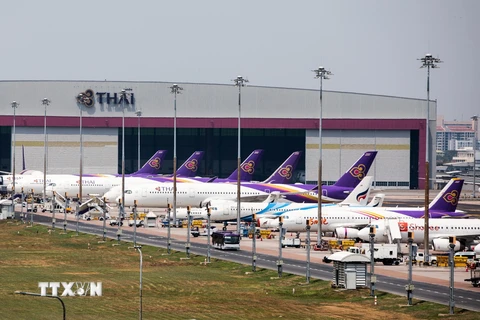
<point>291,242</point>
<point>383,252</point>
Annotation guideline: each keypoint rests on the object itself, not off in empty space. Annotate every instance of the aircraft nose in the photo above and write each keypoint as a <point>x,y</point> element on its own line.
<point>364,234</point>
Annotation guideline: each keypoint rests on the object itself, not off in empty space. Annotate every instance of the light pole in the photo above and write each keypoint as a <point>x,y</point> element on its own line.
<point>373,278</point>
<point>45,103</point>
<point>254,242</point>
<point>46,296</point>
<point>451,301</point>
<point>15,105</point>
<point>139,249</point>
<point>410,287</point>
<point>138,113</point>
<point>307,245</point>
<point>280,239</point>
<point>427,62</point>
<point>209,213</point>
<point>475,126</point>
<point>239,82</point>
<point>175,90</point>
<point>321,74</point>
<point>82,99</point>
<point>169,209</point>
<point>123,95</point>
<point>189,229</point>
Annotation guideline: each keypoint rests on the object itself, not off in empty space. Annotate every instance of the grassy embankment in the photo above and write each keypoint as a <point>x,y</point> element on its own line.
<point>173,288</point>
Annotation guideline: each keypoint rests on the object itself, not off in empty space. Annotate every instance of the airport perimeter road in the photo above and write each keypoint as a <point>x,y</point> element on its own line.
<point>267,256</point>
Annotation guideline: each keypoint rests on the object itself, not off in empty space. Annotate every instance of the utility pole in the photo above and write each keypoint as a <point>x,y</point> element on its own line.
<point>239,82</point>
<point>320,73</point>
<point>427,62</point>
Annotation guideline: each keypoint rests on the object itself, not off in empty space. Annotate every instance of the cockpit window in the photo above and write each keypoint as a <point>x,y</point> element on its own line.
<point>128,191</point>
<point>52,184</point>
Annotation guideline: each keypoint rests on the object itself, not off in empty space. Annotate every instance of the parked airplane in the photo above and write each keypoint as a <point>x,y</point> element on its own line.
<point>98,185</point>
<point>224,210</point>
<point>465,231</point>
<point>346,221</point>
<point>154,194</point>
<point>7,177</point>
<point>92,183</point>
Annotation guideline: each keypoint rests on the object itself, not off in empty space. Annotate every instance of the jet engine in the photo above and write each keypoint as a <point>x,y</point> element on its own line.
<point>267,223</point>
<point>477,249</point>
<point>346,233</point>
<point>443,245</point>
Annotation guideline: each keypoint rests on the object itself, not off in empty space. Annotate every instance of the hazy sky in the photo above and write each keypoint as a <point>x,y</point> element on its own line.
<point>370,46</point>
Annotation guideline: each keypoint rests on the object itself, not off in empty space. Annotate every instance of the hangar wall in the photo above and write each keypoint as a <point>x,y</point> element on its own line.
<point>341,148</point>
<point>100,149</point>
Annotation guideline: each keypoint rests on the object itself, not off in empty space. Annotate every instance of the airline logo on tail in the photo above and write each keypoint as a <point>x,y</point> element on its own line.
<point>362,195</point>
<point>249,167</point>
<point>286,172</point>
<point>155,163</point>
<point>451,197</point>
<point>358,172</point>
<point>192,165</point>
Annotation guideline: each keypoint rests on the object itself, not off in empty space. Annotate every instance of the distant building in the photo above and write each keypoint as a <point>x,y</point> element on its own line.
<point>455,135</point>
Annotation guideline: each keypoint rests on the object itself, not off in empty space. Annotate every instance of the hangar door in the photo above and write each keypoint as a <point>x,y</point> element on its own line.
<point>341,148</point>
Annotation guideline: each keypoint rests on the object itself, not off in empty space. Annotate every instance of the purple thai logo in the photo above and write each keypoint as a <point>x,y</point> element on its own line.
<point>192,165</point>
<point>451,197</point>
<point>286,172</point>
<point>155,163</point>
<point>358,172</point>
<point>249,167</point>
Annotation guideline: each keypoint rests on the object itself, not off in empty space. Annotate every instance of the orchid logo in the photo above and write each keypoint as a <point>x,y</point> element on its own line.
<point>249,167</point>
<point>286,172</point>
<point>358,172</point>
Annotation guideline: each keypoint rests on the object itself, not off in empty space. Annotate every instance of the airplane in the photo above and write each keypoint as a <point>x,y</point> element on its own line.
<point>69,183</point>
<point>225,210</point>
<point>465,231</point>
<point>346,221</point>
<point>158,195</point>
<point>98,185</point>
<point>7,177</point>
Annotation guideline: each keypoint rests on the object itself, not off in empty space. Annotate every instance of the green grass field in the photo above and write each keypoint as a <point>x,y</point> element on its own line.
<point>173,288</point>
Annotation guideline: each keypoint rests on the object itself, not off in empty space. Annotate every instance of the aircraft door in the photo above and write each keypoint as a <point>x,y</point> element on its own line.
<point>299,220</point>
<point>226,210</point>
<point>144,192</point>
<point>191,193</point>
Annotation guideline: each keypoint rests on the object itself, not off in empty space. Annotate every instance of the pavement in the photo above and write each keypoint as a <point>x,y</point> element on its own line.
<point>428,274</point>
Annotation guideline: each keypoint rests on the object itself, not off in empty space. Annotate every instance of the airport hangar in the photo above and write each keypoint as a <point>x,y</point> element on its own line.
<point>278,120</point>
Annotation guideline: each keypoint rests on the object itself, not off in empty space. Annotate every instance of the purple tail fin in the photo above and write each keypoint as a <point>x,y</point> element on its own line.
<point>190,166</point>
<point>358,171</point>
<point>153,165</point>
<point>447,199</point>
<point>284,173</point>
<point>247,166</point>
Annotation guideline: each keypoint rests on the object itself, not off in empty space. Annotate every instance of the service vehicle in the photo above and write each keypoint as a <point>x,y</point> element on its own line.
<point>382,252</point>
